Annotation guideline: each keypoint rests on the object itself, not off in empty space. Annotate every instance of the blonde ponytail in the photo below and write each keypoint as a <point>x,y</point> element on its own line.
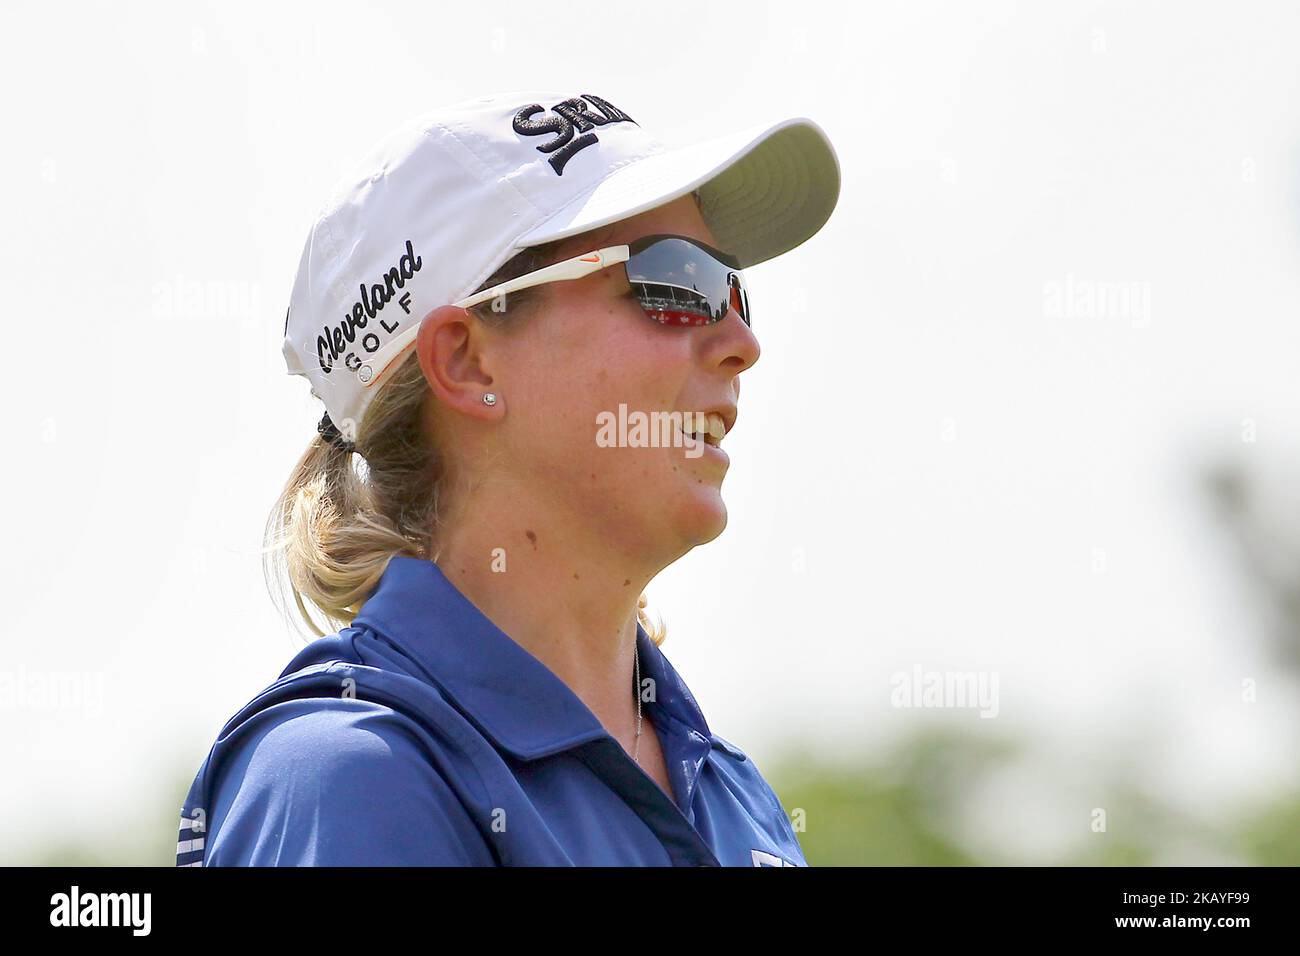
<point>337,522</point>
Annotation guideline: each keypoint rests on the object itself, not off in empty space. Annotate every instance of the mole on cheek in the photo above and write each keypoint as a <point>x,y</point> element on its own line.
<point>533,538</point>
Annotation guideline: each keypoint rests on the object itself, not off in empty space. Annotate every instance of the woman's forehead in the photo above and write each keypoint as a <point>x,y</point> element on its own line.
<point>681,216</point>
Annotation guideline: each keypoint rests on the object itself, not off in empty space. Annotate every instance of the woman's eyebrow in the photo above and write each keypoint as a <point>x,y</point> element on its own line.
<point>601,239</point>
<point>572,247</point>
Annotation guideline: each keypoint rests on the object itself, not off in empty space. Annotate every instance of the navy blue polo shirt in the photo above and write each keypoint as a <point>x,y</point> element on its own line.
<point>423,735</point>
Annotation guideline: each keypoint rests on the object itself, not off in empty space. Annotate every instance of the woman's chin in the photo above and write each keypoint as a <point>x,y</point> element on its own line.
<point>703,515</point>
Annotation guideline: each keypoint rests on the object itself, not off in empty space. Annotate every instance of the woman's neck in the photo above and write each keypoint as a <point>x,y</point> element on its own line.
<point>570,604</point>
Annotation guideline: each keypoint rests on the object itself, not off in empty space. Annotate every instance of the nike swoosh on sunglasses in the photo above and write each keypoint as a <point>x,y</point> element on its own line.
<point>678,281</point>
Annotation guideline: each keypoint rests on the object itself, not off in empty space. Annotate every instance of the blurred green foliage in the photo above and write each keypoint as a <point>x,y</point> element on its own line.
<point>904,812</point>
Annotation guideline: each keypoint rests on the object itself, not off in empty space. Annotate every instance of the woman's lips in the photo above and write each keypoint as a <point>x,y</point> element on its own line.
<point>708,447</point>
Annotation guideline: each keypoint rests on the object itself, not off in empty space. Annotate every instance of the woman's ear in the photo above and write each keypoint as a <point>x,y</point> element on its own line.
<point>450,347</point>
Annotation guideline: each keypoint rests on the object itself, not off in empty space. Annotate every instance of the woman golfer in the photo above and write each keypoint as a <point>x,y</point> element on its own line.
<point>527,320</point>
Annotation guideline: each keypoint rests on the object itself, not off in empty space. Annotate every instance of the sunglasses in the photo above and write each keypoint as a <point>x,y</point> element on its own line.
<point>678,282</point>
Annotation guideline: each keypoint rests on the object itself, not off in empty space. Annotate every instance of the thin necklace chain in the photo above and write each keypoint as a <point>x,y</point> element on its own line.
<point>636,746</point>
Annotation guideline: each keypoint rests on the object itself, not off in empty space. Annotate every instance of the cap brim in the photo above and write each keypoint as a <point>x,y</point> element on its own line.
<point>763,190</point>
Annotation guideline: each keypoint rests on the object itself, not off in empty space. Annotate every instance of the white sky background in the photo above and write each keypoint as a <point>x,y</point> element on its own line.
<point>945,454</point>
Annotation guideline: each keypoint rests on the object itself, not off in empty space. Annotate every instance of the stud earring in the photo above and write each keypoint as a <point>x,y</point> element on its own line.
<point>489,398</point>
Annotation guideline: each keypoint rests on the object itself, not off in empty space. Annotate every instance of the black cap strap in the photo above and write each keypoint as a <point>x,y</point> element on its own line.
<point>333,435</point>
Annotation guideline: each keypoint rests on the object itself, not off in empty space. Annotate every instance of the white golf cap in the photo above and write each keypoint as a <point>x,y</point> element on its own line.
<point>446,199</point>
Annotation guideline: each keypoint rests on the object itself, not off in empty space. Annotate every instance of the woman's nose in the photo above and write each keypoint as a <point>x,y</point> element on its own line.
<point>734,346</point>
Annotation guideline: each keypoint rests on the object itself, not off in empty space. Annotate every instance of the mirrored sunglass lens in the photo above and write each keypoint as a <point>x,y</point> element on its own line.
<point>679,283</point>
<point>673,306</point>
<point>739,296</point>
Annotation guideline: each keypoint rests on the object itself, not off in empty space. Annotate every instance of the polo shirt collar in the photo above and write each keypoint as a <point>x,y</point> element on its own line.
<point>509,694</point>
